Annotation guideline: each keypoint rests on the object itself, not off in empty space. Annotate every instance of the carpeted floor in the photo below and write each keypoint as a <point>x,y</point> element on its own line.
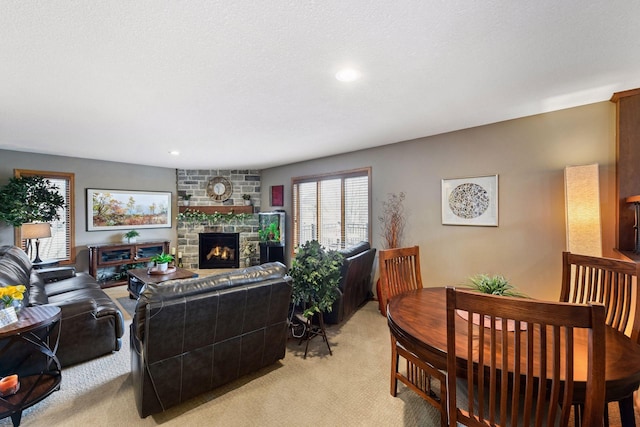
<point>350,388</point>
<point>127,304</point>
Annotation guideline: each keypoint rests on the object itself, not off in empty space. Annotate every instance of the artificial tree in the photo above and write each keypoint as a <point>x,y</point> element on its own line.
<point>29,199</point>
<point>316,274</point>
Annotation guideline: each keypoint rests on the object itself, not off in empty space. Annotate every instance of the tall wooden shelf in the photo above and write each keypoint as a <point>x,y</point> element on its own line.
<point>109,262</point>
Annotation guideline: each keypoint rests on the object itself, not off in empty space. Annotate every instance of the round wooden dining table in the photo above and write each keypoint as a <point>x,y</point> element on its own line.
<point>418,320</point>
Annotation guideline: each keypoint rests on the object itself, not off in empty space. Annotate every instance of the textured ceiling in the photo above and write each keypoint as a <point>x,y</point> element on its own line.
<point>232,84</point>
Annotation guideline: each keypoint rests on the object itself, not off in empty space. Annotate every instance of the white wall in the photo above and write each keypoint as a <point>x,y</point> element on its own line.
<point>528,154</point>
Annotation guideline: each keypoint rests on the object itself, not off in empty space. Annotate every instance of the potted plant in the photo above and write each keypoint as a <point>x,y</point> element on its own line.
<point>316,273</point>
<point>29,199</point>
<point>131,236</point>
<point>247,199</point>
<point>496,285</point>
<point>186,199</point>
<point>162,261</point>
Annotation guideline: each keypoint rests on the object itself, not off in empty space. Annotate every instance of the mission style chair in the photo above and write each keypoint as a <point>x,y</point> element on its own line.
<point>614,283</point>
<point>532,341</point>
<point>400,272</point>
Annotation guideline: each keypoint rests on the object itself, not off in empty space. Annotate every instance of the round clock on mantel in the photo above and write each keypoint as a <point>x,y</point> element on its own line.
<point>219,188</point>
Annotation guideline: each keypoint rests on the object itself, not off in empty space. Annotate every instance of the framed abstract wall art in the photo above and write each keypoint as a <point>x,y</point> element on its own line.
<point>126,209</point>
<point>470,201</point>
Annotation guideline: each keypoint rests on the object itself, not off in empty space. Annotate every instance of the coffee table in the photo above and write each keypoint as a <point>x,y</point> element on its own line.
<point>139,277</point>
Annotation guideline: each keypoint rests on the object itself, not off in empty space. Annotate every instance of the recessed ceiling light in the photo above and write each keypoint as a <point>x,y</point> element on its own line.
<point>348,75</point>
<point>174,153</point>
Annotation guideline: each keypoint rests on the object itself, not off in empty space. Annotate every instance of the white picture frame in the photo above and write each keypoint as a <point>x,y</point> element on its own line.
<point>470,201</point>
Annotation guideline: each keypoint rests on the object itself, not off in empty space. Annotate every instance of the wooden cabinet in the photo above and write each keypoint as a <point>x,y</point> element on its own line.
<point>271,252</point>
<point>109,262</point>
<point>628,158</point>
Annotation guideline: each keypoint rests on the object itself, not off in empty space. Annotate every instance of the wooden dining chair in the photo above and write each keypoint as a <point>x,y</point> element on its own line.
<point>534,342</point>
<point>400,272</point>
<point>614,283</point>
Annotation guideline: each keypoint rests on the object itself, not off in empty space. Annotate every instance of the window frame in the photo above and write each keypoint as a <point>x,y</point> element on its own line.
<point>69,205</point>
<point>317,178</point>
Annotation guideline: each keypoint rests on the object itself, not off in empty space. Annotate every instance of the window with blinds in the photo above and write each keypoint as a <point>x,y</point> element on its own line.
<point>59,245</point>
<point>333,209</point>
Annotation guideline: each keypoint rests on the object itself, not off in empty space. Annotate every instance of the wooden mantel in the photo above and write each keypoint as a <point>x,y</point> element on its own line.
<point>220,209</point>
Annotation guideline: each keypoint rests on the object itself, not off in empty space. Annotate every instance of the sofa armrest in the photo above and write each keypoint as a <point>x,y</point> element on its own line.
<point>54,274</point>
<point>78,307</point>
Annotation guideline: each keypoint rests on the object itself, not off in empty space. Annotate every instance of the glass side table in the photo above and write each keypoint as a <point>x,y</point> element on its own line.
<point>28,349</point>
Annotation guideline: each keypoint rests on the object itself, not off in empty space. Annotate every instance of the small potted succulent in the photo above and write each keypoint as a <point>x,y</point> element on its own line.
<point>162,261</point>
<point>186,199</point>
<point>247,199</point>
<point>131,236</point>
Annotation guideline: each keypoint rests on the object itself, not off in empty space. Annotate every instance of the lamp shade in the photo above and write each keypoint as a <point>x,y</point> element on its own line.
<point>582,199</point>
<point>35,230</point>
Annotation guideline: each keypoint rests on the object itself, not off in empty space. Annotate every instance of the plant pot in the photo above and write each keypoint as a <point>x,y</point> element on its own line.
<point>247,202</point>
<point>8,316</point>
<point>185,203</point>
<point>163,267</point>
<point>132,240</point>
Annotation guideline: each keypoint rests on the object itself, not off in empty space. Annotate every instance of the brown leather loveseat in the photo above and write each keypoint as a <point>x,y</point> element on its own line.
<point>91,325</point>
<point>190,336</point>
<point>355,283</point>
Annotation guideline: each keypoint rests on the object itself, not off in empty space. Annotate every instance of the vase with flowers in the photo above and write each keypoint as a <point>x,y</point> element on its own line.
<point>10,303</point>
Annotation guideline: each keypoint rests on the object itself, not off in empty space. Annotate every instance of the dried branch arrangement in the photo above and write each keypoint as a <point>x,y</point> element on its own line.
<point>392,220</point>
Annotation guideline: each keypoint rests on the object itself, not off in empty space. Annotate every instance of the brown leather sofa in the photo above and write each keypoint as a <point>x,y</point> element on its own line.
<point>91,325</point>
<point>355,283</point>
<point>192,335</point>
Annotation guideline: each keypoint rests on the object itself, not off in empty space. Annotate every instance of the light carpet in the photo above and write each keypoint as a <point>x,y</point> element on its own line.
<point>350,388</point>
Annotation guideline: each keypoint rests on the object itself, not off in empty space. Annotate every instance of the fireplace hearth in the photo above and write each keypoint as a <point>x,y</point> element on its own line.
<point>219,250</point>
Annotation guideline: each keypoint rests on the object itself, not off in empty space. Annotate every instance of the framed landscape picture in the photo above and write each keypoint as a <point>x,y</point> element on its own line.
<point>127,209</point>
<point>470,201</point>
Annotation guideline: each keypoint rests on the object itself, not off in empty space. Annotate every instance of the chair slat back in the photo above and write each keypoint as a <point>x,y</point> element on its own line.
<point>609,281</point>
<point>399,272</point>
<point>534,342</point>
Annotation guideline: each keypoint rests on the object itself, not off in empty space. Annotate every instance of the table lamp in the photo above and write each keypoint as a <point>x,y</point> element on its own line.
<point>36,231</point>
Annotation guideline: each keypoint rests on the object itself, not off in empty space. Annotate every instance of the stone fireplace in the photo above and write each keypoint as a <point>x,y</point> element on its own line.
<point>219,250</point>
<point>194,183</point>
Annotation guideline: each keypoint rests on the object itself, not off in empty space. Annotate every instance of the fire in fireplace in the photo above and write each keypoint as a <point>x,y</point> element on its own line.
<point>219,250</point>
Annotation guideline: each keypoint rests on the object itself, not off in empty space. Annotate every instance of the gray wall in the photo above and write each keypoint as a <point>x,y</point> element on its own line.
<point>93,174</point>
<point>528,154</point>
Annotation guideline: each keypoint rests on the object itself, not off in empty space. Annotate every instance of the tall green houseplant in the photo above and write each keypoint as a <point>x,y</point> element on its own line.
<point>29,199</point>
<point>316,275</point>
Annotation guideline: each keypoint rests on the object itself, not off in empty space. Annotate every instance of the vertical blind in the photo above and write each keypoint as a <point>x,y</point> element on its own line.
<point>333,209</point>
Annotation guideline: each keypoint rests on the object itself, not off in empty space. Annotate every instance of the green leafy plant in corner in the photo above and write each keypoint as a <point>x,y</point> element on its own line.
<point>316,274</point>
<point>30,199</point>
<point>162,258</point>
<point>496,285</point>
